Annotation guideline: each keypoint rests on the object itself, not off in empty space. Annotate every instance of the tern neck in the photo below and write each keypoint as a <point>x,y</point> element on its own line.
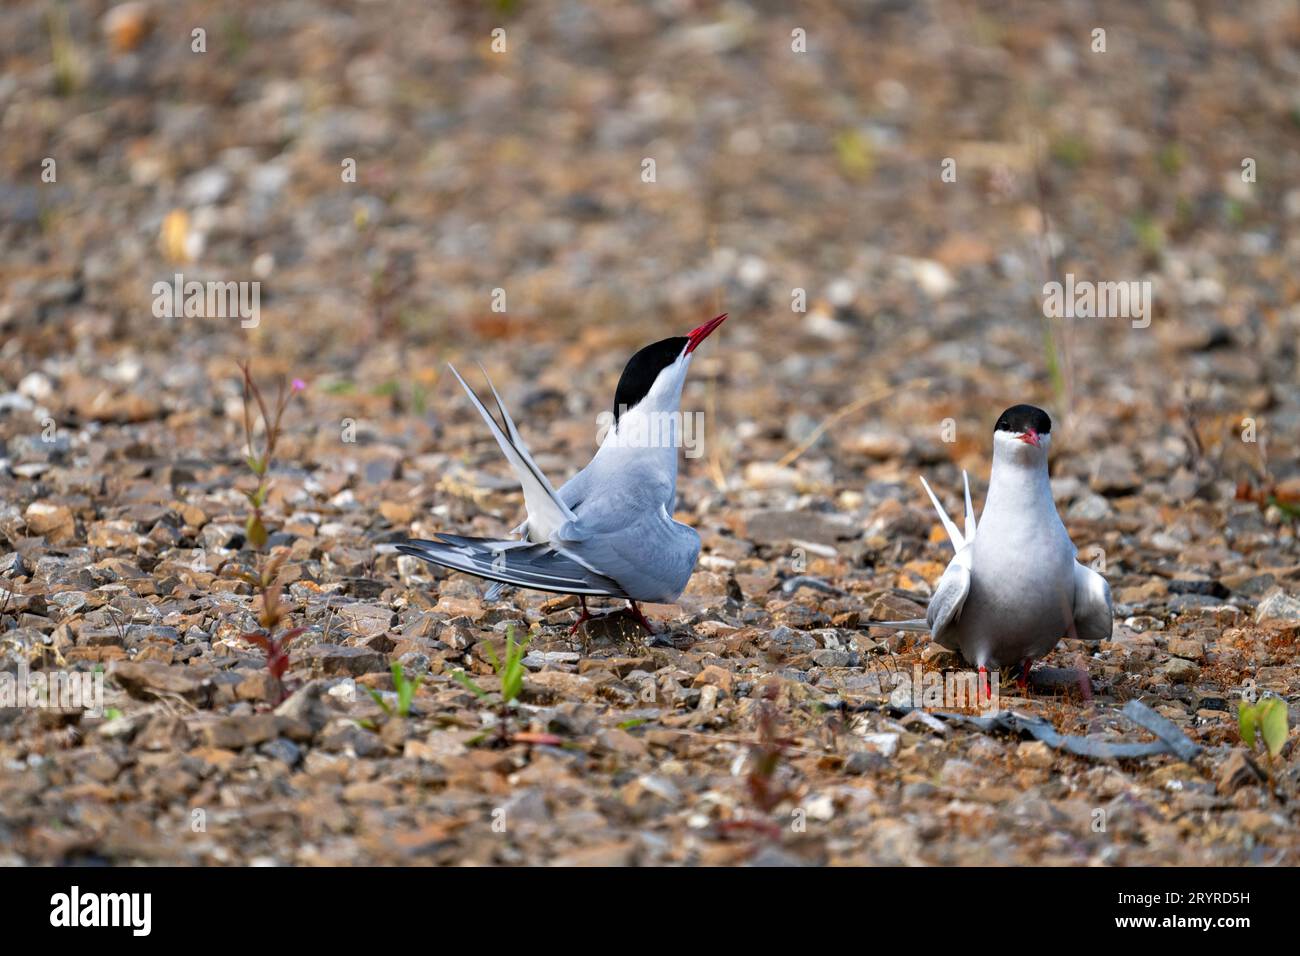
<point>649,434</point>
<point>1019,481</point>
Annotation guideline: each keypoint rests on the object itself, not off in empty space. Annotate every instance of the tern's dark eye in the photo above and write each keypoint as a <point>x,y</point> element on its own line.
<point>1019,419</point>
<point>641,371</point>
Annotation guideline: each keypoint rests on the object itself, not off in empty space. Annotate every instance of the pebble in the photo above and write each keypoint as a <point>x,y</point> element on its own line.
<point>1181,671</point>
<point>338,659</point>
<point>1278,606</point>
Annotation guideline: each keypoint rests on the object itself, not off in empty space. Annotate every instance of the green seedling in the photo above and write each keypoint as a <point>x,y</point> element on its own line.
<point>1264,722</point>
<point>405,688</point>
<point>511,672</point>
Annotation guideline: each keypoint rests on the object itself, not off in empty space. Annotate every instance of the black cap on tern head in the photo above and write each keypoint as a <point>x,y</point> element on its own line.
<point>642,369</point>
<point>1019,419</point>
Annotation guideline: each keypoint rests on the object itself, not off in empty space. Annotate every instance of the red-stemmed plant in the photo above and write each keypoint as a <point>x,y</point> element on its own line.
<point>273,641</point>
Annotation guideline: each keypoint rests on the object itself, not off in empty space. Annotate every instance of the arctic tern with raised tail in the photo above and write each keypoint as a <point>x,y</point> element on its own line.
<point>609,530</point>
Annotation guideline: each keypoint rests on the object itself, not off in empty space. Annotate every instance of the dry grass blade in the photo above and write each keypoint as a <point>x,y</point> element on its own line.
<point>833,419</point>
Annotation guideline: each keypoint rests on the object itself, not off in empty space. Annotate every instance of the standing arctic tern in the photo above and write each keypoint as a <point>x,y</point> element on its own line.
<point>609,531</point>
<point>1014,588</point>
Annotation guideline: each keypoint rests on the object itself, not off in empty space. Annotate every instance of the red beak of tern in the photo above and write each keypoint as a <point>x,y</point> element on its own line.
<point>697,336</point>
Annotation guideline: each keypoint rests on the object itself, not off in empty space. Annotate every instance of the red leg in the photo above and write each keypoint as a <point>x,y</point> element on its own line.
<point>584,617</point>
<point>984,684</point>
<point>635,613</point>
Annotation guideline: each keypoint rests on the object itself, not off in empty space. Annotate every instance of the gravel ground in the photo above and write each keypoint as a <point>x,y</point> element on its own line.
<point>881,318</point>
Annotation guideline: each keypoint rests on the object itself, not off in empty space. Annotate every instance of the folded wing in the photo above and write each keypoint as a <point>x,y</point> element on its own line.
<point>1093,611</point>
<point>648,553</point>
<point>520,563</point>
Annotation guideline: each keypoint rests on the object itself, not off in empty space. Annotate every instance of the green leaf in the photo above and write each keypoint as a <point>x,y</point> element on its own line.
<point>512,676</point>
<point>405,690</point>
<point>464,680</point>
<point>633,723</point>
<point>1272,723</point>
<point>405,695</point>
<point>378,698</point>
<point>511,684</point>
<point>1246,724</point>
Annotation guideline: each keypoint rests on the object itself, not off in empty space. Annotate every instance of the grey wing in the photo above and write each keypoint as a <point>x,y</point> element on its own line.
<point>651,556</point>
<point>945,606</point>
<point>518,563</point>
<point>573,491</point>
<point>1093,612</point>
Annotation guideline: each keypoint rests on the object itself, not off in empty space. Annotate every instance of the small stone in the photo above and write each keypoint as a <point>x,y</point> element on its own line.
<point>151,680</point>
<point>367,620</point>
<point>864,761</point>
<point>207,186</point>
<point>884,745</point>
<point>1277,605</point>
<point>282,749</point>
<point>1190,648</point>
<point>1181,671</point>
<point>307,706</point>
<point>1237,771</point>
<point>397,512</point>
<point>834,658</point>
<point>537,660</point>
<point>1089,508</point>
<point>894,607</point>
<point>717,676</point>
<point>786,527</point>
<point>341,659</point>
<point>235,733</point>
<point>163,732</point>
<point>113,534</point>
<point>940,657</point>
<point>622,853</point>
<point>1198,584</point>
<point>1114,475</point>
<point>959,773</point>
<point>560,683</point>
<point>619,741</point>
<point>54,522</point>
<point>879,443</point>
<point>127,24</point>
<point>792,641</point>
<point>926,720</point>
<point>219,537</point>
<point>1035,753</point>
<point>765,475</point>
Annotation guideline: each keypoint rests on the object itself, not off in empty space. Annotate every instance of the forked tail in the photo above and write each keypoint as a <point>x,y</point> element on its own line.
<point>960,539</point>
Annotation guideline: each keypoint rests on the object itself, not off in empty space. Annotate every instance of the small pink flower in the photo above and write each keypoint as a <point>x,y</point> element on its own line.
<point>298,385</point>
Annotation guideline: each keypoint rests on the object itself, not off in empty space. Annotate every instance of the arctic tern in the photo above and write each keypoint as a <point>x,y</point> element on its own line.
<point>1014,588</point>
<point>609,530</point>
